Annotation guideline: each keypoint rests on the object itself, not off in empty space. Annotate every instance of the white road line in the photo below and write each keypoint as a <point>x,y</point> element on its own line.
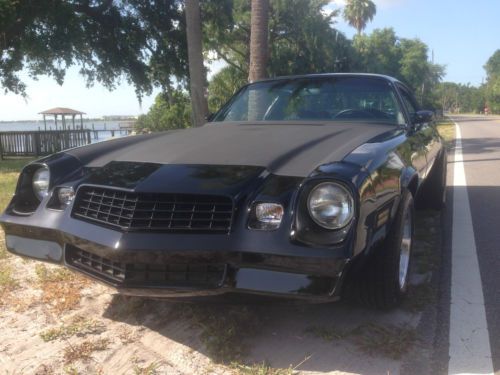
<point>470,351</point>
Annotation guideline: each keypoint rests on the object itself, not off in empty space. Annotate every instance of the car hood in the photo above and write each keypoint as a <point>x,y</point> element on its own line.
<point>288,149</point>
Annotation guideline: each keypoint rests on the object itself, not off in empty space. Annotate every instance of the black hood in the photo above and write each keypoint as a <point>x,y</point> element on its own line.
<point>291,149</point>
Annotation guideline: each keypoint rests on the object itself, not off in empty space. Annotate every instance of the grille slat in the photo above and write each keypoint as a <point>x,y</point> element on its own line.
<point>149,211</point>
<point>139,274</point>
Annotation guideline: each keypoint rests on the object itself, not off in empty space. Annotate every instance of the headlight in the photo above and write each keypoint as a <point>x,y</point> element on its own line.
<point>41,179</point>
<point>66,195</point>
<point>269,213</point>
<point>330,205</point>
<point>266,216</point>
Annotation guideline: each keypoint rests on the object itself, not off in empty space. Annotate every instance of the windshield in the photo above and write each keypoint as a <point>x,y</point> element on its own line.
<point>318,98</point>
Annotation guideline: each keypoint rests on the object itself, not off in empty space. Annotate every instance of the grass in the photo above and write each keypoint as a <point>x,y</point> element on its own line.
<point>7,281</point>
<point>386,340</point>
<point>326,333</point>
<point>79,326</point>
<point>390,341</point>
<point>53,275</point>
<point>70,370</point>
<point>44,369</point>
<point>426,258</point>
<point>262,369</point>
<point>84,351</point>
<point>419,297</point>
<point>14,164</point>
<point>151,369</point>
<point>3,251</point>
<point>60,287</point>
<point>9,172</point>
<point>223,330</point>
<point>446,129</point>
<point>126,335</point>
<point>124,307</point>
<point>427,241</point>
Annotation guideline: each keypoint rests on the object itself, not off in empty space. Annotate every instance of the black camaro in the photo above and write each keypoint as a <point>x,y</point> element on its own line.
<point>300,186</point>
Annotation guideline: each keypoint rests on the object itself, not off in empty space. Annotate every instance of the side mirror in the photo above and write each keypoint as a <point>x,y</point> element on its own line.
<point>209,117</point>
<point>421,117</point>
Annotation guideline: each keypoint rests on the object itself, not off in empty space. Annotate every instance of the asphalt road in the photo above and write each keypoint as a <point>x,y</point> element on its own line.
<point>468,338</point>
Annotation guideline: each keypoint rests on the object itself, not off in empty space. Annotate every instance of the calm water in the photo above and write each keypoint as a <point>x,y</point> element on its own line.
<point>87,124</point>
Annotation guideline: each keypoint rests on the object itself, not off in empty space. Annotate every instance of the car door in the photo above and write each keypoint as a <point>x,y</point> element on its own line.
<point>419,137</point>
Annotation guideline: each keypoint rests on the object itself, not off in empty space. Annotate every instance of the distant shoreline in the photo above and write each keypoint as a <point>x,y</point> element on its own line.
<point>59,120</point>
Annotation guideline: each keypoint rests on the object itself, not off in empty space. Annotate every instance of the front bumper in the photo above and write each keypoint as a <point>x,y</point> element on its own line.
<point>172,265</point>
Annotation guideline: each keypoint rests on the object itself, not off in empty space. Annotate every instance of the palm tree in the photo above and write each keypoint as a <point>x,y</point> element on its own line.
<point>359,12</point>
<point>197,79</point>
<point>259,24</point>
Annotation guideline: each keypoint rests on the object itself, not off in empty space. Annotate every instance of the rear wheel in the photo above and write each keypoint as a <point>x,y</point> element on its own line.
<point>383,280</point>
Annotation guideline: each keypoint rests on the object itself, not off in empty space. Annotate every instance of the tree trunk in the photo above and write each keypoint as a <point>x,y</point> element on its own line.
<point>196,69</point>
<point>258,57</point>
<point>258,40</point>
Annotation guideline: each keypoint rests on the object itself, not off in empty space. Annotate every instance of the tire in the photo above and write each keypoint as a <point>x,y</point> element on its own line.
<point>433,193</point>
<point>382,282</point>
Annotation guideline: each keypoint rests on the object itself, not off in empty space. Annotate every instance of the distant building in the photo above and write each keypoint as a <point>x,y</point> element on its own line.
<point>63,112</point>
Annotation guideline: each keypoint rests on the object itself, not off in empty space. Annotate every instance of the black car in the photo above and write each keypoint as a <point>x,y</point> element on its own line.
<point>300,186</point>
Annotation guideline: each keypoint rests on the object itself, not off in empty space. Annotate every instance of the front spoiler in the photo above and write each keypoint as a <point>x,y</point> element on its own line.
<point>263,274</point>
<point>289,286</point>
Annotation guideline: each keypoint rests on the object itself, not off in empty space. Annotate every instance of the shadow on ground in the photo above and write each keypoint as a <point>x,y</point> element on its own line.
<point>284,335</point>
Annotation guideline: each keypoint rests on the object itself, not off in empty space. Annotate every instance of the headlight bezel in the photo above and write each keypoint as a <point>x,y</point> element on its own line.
<point>350,202</point>
<point>41,194</point>
<point>306,230</point>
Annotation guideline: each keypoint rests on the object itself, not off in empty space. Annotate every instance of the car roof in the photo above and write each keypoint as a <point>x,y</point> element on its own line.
<point>326,75</point>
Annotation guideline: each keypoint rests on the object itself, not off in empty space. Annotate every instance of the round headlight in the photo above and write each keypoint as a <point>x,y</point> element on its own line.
<point>330,205</point>
<point>41,179</point>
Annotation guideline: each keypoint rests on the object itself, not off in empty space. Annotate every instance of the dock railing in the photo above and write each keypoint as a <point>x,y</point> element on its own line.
<point>40,143</point>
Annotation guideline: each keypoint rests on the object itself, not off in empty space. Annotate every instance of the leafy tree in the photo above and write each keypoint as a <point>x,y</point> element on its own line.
<point>141,42</point>
<point>406,59</point>
<point>223,85</point>
<point>304,41</point>
<point>359,12</point>
<point>378,52</point>
<point>492,68</point>
<point>456,97</point>
<point>170,111</point>
<point>300,35</point>
<point>493,95</point>
<point>416,70</point>
<point>446,95</point>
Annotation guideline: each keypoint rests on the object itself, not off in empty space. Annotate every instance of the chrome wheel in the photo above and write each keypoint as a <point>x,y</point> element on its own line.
<point>405,251</point>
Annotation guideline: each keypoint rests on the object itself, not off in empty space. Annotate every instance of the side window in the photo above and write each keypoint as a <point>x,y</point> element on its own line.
<point>409,103</point>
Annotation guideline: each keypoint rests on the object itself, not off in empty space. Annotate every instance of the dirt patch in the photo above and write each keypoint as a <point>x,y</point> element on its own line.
<point>53,321</point>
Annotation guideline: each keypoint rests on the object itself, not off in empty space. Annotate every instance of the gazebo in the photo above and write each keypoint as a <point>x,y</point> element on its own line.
<point>63,112</point>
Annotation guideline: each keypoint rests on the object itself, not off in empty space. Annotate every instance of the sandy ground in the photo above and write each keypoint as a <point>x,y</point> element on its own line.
<point>43,332</point>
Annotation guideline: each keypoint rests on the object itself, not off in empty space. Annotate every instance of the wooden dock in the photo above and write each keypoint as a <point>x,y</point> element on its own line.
<point>40,143</point>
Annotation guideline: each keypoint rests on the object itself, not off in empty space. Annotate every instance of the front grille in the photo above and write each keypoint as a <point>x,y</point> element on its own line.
<point>125,210</point>
<point>144,275</point>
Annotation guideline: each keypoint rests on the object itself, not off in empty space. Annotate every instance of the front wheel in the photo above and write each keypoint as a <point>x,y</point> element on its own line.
<point>383,281</point>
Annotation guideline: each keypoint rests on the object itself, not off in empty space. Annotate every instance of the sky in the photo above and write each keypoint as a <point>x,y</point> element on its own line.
<point>461,34</point>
